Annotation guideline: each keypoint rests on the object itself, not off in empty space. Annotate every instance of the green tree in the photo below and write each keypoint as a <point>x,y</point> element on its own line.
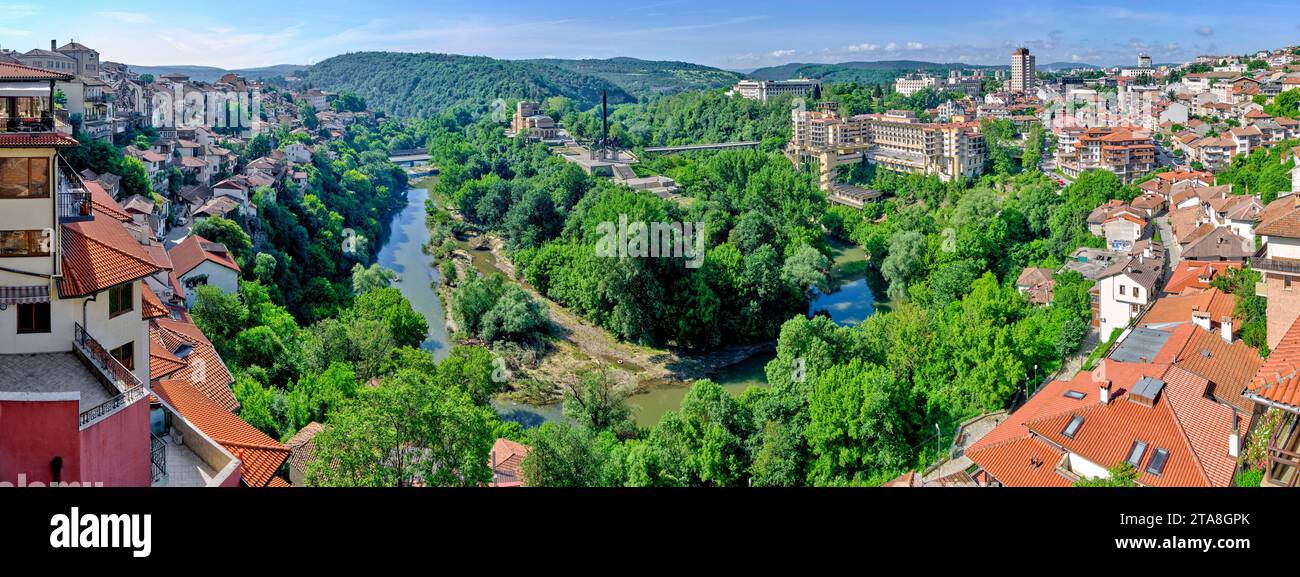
<point>371,278</point>
<point>859,425</point>
<point>565,455</point>
<point>595,403</point>
<point>404,432</point>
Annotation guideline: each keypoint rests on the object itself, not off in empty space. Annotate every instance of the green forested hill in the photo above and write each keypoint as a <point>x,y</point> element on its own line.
<point>645,78</point>
<point>861,72</point>
<point>425,84</point>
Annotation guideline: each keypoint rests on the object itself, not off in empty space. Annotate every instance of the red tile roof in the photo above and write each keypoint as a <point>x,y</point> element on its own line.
<point>35,140</point>
<point>302,445</point>
<point>104,203</point>
<point>98,254</point>
<point>162,363</point>
<point>1228,367</point>
<point>1025,450</point>
<point>1278,379</point>
<point>506,460</point>
<point>203,366</point>
<point>1187,276</point>
<point>152,307</point>
<point>20,73</point>
<point>1280,218</point>
<point>261,456</point>
<point>192,251</point>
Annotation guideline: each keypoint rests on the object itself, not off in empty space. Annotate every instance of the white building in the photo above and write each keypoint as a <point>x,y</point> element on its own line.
<point>762,90</point>
<point>1124,290</point>
<point>1023,78</point>
<point>909,84</point>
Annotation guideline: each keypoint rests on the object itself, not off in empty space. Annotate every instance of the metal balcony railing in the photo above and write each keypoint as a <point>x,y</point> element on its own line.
<point>43,123</point>
<point>1274,265</point>
<point>74,201</point>
<point>113,369</point>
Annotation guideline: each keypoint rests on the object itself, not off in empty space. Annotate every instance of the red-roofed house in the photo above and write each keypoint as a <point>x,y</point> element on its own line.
<point>197,260</point>
<point>257,458</point>
<point>74,358</point>
<point>1157,417</point>
<point>1276,386</point>
<point>506,460</point>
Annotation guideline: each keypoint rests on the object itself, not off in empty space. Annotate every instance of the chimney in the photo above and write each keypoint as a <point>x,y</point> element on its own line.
<point>1234,441</point>
<point>1201,319</point>
<point>1104,389</point>
<point>53,45</point>
<point>1225,329</point>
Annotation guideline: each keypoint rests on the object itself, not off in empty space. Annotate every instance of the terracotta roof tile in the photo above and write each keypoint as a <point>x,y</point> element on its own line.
<point>1278,379</point>
<point>192,251</point>
<point>1228,367</point>
<point>1189,274</point>
<point>302,445</point>
<point>261,456</point>
<point>35,140</point>
<point>104,203</point>
<point>19,73</point>
<point>152,306</point>
<point>1025,449</point>
<point>98,254</point>
<point>203,366</point>
<point>1280,218</point>
<point>506,460</point>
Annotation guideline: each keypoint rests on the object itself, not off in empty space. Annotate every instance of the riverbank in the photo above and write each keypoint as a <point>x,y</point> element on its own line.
<point>575,345</point>
<point>656,379</point>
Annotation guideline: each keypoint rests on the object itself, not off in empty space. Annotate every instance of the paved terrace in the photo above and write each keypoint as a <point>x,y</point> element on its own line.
<point>52,373</point>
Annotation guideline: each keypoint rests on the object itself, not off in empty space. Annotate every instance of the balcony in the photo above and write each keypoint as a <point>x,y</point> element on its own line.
<point>1274,265</point>
<point>43,123</point>
<point>74,200</point>
<point>1284,453</point>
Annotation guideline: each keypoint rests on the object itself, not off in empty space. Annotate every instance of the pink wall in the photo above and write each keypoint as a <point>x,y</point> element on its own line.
<point>234,479</point>
<point>115,451</point>
<point>32,433</point>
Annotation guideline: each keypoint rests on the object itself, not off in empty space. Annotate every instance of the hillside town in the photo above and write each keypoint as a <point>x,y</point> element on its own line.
<point>1188,367</point>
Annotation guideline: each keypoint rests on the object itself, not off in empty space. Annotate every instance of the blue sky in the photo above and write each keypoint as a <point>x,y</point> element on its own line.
<point>729,34</point>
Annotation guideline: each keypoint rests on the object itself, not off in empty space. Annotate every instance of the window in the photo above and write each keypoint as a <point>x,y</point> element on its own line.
<point>25,243</point>
<point>1156,465</point>
<point>125,354</point>
<point>121,299</point>
<point>1076,395</point>
<point>34,318</point>
<point>1136,452</point>
<point>1072,428</point>
<point>1286,282</point>
<point>24,178</point>
<point>1122,288</point>
<point>1137,292</point>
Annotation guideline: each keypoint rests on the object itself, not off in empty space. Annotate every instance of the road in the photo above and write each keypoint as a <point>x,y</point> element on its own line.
<point>1173,250</point>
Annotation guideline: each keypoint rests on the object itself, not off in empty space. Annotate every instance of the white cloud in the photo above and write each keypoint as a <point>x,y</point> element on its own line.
<point>915,46</point>
<point>864,47</point>
<point>892,46</point>
<point>1205,31</point>
<point>783,53</point>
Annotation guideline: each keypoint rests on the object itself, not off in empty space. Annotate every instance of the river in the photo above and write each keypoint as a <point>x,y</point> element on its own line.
<point>849,301</point>
<point>404,254</point>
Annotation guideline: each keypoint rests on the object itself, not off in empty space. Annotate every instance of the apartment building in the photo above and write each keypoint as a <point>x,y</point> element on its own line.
<point>78,351</point>
<point>1278,233</point>
<point>1023,76</point>
<point>1126,152</point>
<point>895,140</point>
<point>763,90</point>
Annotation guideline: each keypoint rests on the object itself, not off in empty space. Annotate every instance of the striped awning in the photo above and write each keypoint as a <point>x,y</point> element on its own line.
<point>24,295</point>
